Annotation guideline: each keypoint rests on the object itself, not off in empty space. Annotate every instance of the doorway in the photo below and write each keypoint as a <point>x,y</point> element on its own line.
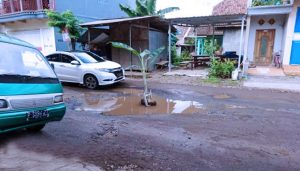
<point>264,45</point>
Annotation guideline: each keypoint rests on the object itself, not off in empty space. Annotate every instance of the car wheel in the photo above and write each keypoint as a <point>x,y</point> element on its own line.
<point>36,128</point>
<point>91,82</point>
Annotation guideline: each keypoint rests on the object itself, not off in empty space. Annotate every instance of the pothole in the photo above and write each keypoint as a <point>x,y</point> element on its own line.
<point>127,102</point>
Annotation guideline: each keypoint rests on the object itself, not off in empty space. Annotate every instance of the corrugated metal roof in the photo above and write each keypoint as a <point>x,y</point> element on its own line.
<point>117,20</point>
<point>220,20</point>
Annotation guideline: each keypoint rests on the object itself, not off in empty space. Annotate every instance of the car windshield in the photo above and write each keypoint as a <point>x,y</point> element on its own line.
<point>88,57</point>
<point>20,62</point>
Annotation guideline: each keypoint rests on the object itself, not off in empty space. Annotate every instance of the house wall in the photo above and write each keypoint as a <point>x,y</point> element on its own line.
<point>231,40</point>
<point>290,35</point>
<point>140,41</point>
<point>85,10</point>
<point>89,10</point>
<point>35,32</point>
<point>157,40</point>
<point>279,34</point>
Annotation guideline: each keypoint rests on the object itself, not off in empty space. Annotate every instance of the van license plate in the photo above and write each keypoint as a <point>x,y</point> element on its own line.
<point>36,115</point>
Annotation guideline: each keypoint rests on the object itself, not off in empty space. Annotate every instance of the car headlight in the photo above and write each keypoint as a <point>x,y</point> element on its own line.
<point>3,104</point>
<point>58,99</point>
<point>104,70</point>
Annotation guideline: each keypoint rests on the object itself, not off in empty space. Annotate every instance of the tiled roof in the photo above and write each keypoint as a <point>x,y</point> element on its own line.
<point>230,7</point>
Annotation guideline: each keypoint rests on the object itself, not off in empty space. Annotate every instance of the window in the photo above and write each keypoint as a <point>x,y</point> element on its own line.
<point>88,57</point>
<point>67,59</point>
<point>24,61</point>
<point>54,58</point>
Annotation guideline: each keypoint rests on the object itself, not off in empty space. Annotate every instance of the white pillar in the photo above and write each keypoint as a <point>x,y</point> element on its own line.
<point>248,27</point>
<point>170,57</point>
<point>130,44</point>
<point>21,5</point>
<point>241,42</point>
<point>39,4</point>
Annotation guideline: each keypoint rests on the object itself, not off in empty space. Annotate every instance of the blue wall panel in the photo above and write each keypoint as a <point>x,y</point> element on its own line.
<point>295,55</point>
<point>297,26</point>
<point>89,10</point>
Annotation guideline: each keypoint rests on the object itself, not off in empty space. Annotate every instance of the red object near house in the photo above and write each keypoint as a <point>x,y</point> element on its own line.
<point>15,6</point>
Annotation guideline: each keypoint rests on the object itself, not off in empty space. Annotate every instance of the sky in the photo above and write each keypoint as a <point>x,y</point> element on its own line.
<point>188,8</point>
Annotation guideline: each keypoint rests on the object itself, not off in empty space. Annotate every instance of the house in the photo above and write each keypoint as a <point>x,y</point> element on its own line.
<point>227,35</point>
<point>192,39</point>
<point>26,19</point>
<point>147,32</point>
<point>274,27</point>
<point>232,33</point>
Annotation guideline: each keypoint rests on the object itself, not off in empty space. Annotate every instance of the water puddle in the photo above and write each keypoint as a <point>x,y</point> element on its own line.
<point>222,96</point>
<point>127,102</point>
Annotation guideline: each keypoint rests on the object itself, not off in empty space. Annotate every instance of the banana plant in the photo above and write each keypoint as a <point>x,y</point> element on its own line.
<point>145,57</point>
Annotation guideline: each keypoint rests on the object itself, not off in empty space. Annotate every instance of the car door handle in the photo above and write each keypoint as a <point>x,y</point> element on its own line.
<point>61,65</point>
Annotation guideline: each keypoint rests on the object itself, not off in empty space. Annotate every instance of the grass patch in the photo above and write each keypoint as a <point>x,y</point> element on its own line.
<point>220,82</point>
<point>212,80</point>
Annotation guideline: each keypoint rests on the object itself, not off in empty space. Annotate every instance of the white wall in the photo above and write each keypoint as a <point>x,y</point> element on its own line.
<point>290,35</point>
<point>35,32</point>
<point>231,40</point>
<point>279,26</point>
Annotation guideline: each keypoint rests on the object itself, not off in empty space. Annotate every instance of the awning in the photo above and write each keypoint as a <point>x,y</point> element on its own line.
<point>96,36</point>
<point>154,21</point>
<point>219,20</point>
<point>114,21</point>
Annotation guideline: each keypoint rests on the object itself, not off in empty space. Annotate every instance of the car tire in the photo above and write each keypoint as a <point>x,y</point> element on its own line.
<point>36,128</point>
<point>91,82</point>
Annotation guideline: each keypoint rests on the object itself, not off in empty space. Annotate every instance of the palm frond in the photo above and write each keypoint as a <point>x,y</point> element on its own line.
<point>125,47</point>
<point>141,8</point>
<point>151,6</point>
<point>162,12</point>
<point>130,12</point>
<point>145,53</point>
<point>155,54</point>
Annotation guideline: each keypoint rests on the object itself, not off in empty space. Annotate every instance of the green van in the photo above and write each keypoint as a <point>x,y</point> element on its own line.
<point>30,93</point>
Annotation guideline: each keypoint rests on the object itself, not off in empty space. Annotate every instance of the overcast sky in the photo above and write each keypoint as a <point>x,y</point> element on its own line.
<point>188,7</point>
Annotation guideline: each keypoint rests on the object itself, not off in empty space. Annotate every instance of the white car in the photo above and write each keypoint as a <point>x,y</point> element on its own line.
<point>86,68</point>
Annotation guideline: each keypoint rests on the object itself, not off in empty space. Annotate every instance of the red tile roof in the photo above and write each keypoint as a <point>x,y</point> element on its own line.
<point>230,7</point>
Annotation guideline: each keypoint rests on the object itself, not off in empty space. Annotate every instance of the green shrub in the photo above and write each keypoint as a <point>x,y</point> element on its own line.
<point>266,2</point>
<point>185,55</point>
<point>219,69</point>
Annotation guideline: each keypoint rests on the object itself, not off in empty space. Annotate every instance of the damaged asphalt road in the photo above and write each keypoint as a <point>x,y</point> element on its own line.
<point>222,129</point>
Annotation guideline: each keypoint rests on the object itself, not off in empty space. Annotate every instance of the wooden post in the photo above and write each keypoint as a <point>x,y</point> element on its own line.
<point>130,44</point>
<point>241,42</point>
<point>89,38</point>
<point>12,8</point>
<point>170,57</point>
<point>213,42</point>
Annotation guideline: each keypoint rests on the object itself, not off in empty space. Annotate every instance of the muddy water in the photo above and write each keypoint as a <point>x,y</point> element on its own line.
<point>127,102</point>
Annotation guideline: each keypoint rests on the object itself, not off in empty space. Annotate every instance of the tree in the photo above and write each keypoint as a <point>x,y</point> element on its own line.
<point>145,8</point>
<point>144,58</point>
<point>67,23</point>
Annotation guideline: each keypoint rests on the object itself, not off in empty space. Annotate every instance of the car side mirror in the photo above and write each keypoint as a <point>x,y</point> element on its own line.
<point>75,63</point>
